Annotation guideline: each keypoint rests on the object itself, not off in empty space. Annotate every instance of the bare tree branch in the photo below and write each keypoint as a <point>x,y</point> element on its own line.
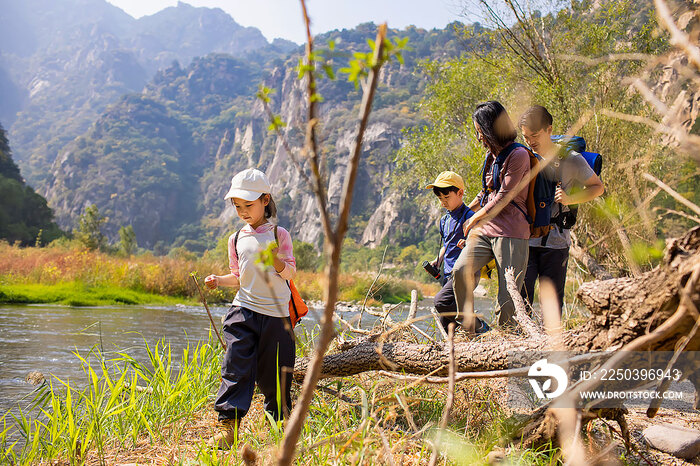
<point>333,238</point>
<point>674,194</point>
<point>450,393</point>
<point>678,37</point>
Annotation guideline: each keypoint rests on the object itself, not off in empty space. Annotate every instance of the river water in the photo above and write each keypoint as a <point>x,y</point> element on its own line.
<point>44,338</point>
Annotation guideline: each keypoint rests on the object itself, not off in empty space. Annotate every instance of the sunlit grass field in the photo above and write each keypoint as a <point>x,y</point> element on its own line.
<point>79,277</point>
<point>159,411</point>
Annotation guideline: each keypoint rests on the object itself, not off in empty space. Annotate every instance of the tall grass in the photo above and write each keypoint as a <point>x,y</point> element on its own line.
<point>121,404</point>
<point>76,276</point>
<point>165,276</point>
<point>126,410</point>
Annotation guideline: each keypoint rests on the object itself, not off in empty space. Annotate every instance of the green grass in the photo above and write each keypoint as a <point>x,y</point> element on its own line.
<point>79,294</point>
<point>127,410</point>
<point>121,403</point>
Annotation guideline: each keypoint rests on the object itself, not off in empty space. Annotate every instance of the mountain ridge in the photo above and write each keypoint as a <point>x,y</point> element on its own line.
<point>157,151</point>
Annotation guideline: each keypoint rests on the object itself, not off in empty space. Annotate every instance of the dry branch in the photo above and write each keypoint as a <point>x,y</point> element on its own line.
<point>532,330</point>
<point>333,237</point>
<point>622,310</point>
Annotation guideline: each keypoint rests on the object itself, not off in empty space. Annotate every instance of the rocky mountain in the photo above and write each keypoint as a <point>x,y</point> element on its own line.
<point>158,153</point>
<point>63,61</point>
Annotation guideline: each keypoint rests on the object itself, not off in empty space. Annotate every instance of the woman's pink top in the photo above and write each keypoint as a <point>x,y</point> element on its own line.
<point>510,222</point>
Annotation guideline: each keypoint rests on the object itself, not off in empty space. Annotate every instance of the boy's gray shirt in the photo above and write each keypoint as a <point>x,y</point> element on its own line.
<point>574,171</point>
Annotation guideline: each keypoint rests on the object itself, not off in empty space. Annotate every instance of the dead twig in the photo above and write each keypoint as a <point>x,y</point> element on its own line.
<point>206,306</point>
<point>438,324</point>
<point>450,393</point>
<point>385,443</point>
<point>532,330</point>
<point>333,237</point>
<point>673,193</point>
<point>678,37</point>
<point>461,376</point>
<point>369,290</point>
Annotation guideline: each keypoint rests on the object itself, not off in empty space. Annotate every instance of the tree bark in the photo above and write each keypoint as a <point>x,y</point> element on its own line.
<point>582,256</point>
<point>621,310</point>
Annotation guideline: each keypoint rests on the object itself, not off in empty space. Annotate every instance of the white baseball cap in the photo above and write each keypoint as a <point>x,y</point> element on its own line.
<point>249,185</point>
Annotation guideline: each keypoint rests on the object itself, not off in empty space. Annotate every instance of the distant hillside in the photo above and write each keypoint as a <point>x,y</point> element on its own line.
<point>23,213</point>
<point>63,61</point>
<point>162,160</point>
<point>148,119</point>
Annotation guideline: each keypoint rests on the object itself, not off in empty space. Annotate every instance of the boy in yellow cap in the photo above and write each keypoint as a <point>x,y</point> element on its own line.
<point>449,189</point>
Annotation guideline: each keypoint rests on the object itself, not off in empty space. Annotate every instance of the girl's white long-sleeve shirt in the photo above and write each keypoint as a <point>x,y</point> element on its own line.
<point>262,289</point>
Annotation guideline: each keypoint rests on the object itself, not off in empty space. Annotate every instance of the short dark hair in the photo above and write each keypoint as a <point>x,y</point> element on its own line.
<point>445,191</point>
<point>536,118</point>
<point>485,117</point>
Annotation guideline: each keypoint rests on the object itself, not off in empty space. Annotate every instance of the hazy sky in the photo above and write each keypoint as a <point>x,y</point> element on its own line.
<point>282,18</point>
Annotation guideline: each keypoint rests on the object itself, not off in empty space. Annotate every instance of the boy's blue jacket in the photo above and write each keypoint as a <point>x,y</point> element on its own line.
<point>451,232</point>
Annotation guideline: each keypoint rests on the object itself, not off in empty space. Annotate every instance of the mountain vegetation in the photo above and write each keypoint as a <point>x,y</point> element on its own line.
<point>148,119</point>
<point>578,62</point>
<point>25,217</point>
<point>160,159</point>
<point>64,61</point>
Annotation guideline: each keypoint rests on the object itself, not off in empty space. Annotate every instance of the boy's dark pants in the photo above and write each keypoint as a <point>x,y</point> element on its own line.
<point>546,263</point>
<point>259,349</point>
<point>446,305</point>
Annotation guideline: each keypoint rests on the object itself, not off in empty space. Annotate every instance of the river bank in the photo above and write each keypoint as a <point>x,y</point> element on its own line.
<point>151,404</point>
<point>76,276</point>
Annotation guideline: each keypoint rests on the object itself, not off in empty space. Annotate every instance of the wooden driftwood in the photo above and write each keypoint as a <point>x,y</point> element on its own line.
<point>621,310</point>
<point>654,312</point>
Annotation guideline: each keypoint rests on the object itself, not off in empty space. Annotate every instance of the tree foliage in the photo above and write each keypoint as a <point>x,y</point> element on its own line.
<point>576,61</point>
<point>89,231</point>
<point>24,215</point>
<point>127,240</point>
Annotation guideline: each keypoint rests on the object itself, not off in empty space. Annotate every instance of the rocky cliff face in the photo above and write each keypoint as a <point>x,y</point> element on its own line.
<point>64,61</point>
<point>158,153</point>
<point>252,146</point>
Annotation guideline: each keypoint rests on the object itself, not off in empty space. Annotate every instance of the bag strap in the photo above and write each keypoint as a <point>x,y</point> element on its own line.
<point>291,300</point>
<point>235,240</point>
<point>235,243</point>
<point>499,162</point>
<point>496,173</point>
<point>277,240</point>
<point>484,188</point>
<point>441,227</point>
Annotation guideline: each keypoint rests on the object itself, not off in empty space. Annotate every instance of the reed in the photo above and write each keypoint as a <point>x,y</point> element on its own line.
<point>157,407</point>
<point>79,277</point>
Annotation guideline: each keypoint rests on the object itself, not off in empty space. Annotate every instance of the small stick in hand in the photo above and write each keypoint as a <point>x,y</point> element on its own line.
<point>211,319</point>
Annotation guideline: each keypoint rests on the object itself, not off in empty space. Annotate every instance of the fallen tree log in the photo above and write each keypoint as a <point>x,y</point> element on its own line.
<point>621,310</point>
<point>626,308</point>
<point>657,311</point>
<point>418,359</point>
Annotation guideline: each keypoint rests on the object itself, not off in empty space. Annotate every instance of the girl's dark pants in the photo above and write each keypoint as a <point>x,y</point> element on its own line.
<point>260,349</point>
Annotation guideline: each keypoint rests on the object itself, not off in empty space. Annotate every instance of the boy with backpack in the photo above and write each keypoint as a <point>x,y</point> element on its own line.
<point>449,189</point>
<point>576,183</point>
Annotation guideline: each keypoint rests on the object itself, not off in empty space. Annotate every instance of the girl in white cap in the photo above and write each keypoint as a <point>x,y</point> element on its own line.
<point>257,328</point>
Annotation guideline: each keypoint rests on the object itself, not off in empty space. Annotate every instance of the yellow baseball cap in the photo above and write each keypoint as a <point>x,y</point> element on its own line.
<point>447,179</point>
